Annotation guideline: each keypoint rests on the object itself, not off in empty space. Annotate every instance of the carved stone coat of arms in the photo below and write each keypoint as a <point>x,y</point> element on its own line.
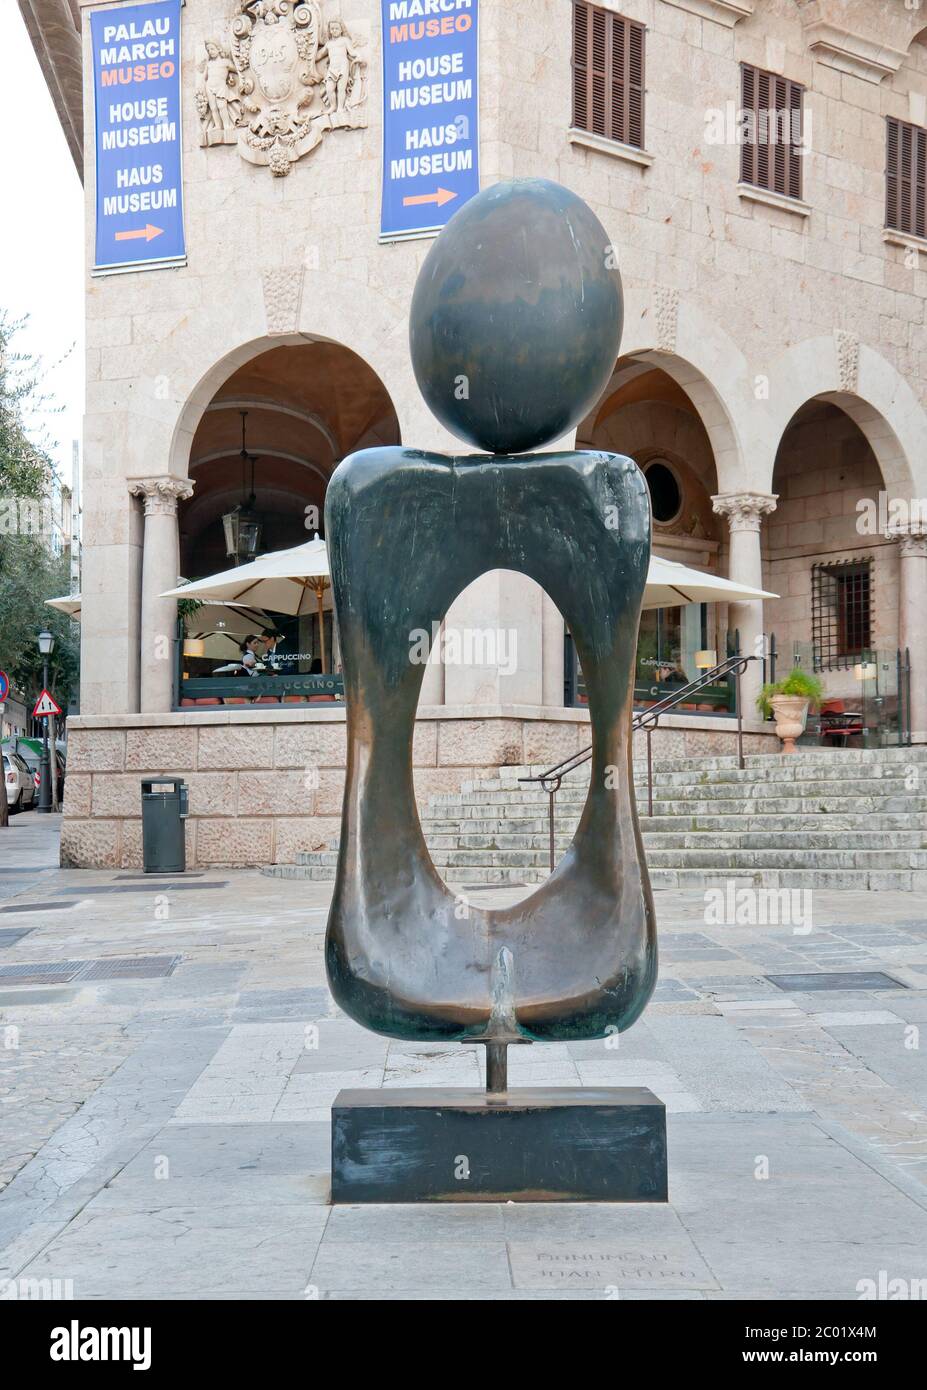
<point>283,76</point>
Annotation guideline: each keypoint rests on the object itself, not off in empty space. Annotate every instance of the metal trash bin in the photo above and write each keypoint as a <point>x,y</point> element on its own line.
<point>163,815</point>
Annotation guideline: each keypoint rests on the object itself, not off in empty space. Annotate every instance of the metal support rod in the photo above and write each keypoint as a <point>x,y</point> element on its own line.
<point>553,853</point>
<point>45,799</point>
<point>497,1067</point>
<point>649,771</point>
<point>740,720</point>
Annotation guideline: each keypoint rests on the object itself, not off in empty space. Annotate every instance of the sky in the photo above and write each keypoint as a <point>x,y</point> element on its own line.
<point>42,236</point>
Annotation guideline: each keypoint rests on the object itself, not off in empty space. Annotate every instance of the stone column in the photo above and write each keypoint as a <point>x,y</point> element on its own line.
<point>496,624</point>
<point>912,619</point>
<point>160,562</point>
<point>552,644</point>
<point>745,512</point>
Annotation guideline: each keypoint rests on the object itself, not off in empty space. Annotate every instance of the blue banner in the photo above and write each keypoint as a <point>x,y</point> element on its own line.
<point>136,83</point>
<point>431,138</point>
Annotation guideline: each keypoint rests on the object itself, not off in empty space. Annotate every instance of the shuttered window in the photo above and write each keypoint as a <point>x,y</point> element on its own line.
<point>906,178</point>
<point>608,74</point>
<point>771,153</point>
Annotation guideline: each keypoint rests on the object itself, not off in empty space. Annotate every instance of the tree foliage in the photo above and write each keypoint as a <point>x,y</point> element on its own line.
<point>29,571</point>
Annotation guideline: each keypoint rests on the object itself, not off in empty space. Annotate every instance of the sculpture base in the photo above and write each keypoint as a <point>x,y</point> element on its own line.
<point>538,1144</point>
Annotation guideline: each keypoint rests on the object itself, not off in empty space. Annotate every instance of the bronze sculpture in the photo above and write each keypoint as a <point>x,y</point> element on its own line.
<point>519,300</point>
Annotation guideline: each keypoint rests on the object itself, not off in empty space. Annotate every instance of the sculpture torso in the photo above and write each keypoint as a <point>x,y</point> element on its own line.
<point>409,531</point>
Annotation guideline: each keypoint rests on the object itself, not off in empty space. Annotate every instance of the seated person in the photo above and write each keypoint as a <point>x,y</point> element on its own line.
<point>252,652</point>
<point>672,675</point>
<point>270,638</point>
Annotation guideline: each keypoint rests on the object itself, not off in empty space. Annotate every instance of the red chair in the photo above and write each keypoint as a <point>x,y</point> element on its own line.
<point>837,722</point>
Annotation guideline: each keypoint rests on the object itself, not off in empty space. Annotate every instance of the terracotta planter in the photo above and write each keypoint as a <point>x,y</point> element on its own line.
<point>791,715</point>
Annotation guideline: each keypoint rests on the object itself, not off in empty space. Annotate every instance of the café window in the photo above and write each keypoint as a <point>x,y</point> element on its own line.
<point>841,613</point>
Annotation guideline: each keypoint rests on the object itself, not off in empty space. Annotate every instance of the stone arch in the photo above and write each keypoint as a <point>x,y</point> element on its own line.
<point>296,407</point>
<point>841,371</point>
<point>668,331</point>
<point>280,307</point>
<point>202,396</point>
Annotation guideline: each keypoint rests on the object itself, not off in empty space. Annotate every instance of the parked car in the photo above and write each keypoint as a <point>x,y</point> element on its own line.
<point>30,750</point>
<point>20,783</point>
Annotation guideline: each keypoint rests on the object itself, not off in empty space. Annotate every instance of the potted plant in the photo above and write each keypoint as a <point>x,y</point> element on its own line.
<point>788,701</point>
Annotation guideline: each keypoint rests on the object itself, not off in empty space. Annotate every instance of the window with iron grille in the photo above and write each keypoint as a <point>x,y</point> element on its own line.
<point>771,153</point>
<point>841,613</point>
<point>906,178</point>
<point>608,74</point>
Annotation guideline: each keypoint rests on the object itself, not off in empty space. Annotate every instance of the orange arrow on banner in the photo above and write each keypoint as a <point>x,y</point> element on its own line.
<point>148,232</point>
<point>443,195</point>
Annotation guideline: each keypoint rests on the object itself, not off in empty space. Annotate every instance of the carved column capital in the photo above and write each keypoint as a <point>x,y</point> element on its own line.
<point>745,510</point>
<point>161,494</point>
<point>912,540</point>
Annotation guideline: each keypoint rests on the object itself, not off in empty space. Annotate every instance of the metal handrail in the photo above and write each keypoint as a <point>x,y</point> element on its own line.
<point>648,720</point>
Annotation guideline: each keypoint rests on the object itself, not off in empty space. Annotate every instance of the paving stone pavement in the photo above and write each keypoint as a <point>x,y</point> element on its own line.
<point>169,1137</point>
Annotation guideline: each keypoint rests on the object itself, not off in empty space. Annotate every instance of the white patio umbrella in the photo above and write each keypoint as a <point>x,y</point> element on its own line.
<point>230,619</point>
<point>67,603</point>
<point>285,581</point>
<point>233,618</point>
<point>670,584</point>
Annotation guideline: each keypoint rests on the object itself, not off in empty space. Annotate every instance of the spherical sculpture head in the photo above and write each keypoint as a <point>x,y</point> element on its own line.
<point>516,317</point>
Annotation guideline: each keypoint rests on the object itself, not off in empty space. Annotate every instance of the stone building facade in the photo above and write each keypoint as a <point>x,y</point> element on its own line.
<point>772,364</point>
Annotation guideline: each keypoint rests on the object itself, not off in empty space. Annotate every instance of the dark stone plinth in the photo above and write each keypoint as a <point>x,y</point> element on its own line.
<point>543,1144</point>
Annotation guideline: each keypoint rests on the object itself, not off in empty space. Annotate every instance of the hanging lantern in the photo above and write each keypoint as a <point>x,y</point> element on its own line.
<point>242,526</point>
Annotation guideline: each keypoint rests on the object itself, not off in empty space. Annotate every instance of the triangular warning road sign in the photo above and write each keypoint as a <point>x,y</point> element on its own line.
<point>45,704</point>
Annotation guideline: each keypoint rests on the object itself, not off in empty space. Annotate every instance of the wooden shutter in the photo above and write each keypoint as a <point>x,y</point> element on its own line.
<point>598,69</point>
<point>608,74</point>
<point>771,158</point>
<point>581,66</point>
<point>748,103</point>
<point>906,178</point>
<point>635,97</point>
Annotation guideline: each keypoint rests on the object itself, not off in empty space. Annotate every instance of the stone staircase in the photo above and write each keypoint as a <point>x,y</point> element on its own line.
<point>821,818</point>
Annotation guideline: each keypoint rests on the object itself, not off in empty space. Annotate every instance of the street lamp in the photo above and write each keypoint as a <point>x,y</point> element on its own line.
<point>46,645</point>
